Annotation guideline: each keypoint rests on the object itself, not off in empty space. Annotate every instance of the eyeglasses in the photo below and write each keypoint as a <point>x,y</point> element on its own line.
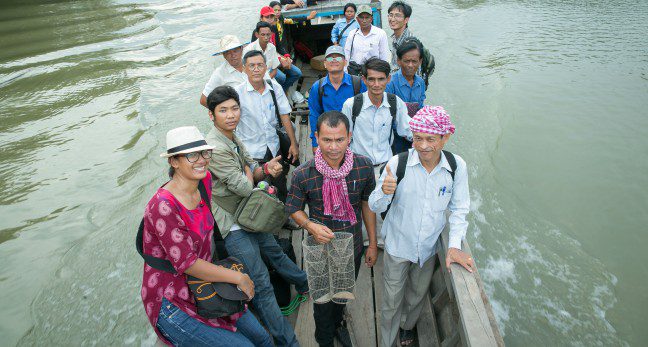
<point>395,16</point>
<point>256,67</point>
<point>194,156</point>
<point>336,59</point>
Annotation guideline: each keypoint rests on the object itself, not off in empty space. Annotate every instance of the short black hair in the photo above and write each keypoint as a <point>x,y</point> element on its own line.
<point>350,4</point>
<point>262,24</point>
<point>376,64</point>
<point>403,7</point>
<point>274,3</point>
<point>408,45</point>
<point>253,53</point>
<point>332,119</point>
<point>221,94</point>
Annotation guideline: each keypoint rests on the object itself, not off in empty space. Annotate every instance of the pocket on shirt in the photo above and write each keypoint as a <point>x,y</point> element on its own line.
<point>441,201</point>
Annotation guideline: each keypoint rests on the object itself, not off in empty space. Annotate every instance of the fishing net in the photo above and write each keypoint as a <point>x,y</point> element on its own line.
<point>330,268</point>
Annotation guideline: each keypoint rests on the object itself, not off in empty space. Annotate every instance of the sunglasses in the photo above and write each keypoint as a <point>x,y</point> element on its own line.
<point>336,59</point>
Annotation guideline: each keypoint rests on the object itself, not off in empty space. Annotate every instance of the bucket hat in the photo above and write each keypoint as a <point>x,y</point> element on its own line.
<point>184,140</point>
<point>229,42</point>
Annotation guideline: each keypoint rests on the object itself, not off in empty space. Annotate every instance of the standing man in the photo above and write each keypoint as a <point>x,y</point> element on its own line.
<point>398,16</point>
<point>365,42</point>
<point>263,32</point>
<point>434,181</point>
<point>407,85</point>
<point>330,92</point>
<point>230,73</point>
<point>235,174</point>
<point>376,114</point>
<point>334,176</point>
<point>257,129</point>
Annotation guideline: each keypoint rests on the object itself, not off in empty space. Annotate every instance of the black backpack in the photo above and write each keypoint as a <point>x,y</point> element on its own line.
<point>402,166</point>
<point>355,81</point>
<point>358,100</point>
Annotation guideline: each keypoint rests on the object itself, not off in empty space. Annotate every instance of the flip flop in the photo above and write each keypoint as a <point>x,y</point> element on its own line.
<point>406,337</point>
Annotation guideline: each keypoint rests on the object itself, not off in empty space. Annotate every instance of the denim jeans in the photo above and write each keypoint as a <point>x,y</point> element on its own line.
<point>247,247</point>
<point>287,77</point>
<point>182,330</point>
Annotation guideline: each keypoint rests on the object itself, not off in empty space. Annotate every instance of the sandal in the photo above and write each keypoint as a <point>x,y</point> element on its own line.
<point>406,337</point>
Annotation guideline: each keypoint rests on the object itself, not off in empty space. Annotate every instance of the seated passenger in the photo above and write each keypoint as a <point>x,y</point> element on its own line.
<point>178,227</point>
<point>344,25</point>
<point>230,72</point>
<point>235,175</point>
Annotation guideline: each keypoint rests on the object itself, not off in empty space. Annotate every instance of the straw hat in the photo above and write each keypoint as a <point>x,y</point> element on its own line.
<point>229,42</point>
<point>184,140</point>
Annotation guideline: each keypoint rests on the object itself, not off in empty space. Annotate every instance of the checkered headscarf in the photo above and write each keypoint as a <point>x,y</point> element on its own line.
<point>432,120</point>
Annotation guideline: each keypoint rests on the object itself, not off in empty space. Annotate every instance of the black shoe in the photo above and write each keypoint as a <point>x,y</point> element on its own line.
<point>342,334</point>
<point>406,337</point>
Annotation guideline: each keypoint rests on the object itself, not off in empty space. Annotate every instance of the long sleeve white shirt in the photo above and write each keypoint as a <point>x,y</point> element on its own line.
<point>375,44</point>
<point>417,217</point>
<point>372,132</point>
<point>258,118</point>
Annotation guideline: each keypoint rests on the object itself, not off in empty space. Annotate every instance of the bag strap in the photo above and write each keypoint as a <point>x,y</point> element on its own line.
<point>393,107</point>
<point>320,91</point>
<point>358,100</point>
<point>356,82</point>
<point>343,30</point>
<point>453,163</point>
<point>274,100</point>
<point>352,42</point>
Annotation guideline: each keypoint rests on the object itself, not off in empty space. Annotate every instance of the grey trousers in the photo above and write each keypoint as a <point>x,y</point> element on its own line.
<point>379,220</point>
<point>402,279</point>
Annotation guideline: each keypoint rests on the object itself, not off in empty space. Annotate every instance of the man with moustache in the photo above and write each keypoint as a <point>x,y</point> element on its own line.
<point>330,92</point>
<point>421,184</point>
<point>335,184</point>
<point>235,174</point>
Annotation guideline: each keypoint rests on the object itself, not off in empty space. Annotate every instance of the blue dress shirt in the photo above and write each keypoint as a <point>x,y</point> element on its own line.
<point>339,25</point>
<point>332,100</point>
<point>398,85</point>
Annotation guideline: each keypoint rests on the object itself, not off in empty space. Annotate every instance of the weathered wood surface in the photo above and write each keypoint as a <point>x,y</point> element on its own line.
<point>361,309</point>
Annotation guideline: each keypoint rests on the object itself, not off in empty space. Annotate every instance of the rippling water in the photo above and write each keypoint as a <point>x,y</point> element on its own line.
<point>550,101</point>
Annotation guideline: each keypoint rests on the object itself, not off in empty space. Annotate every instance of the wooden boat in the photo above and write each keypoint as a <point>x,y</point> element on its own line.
<point>456,310</point>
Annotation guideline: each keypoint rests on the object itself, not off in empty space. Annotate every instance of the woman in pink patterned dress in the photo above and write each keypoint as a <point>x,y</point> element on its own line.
<point>178,226</point>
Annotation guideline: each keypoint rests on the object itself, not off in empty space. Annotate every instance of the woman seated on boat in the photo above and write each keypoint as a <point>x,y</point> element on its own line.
<point>178,227</point>
<point>344,25</point>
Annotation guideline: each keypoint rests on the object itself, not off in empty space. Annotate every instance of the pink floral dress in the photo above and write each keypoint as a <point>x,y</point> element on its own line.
<point>181,236</point>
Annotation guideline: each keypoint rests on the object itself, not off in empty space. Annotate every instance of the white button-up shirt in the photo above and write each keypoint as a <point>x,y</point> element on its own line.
<point>416,217</point>
<point>256,128</point>
<point>372,132</point>
<point>375,44</point>
<point>270,54</point>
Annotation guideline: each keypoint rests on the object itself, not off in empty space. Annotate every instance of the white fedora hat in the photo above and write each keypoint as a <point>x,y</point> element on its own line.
<point>184,140</point>
<point>229,42</point>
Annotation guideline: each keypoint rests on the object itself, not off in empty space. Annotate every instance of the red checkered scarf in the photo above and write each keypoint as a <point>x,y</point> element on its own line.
<point>432,120</point>
<point>334,190</point>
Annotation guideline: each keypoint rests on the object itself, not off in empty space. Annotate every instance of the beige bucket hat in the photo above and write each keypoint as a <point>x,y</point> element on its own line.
<point>229,42</point>
<point>184,140</point>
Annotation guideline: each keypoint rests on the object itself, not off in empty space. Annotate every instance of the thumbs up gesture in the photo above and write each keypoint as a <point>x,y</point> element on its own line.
<point>274,166</point>
<point>389,184</point>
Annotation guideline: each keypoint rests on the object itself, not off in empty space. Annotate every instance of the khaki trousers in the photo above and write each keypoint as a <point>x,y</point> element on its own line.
<point>405,286</point>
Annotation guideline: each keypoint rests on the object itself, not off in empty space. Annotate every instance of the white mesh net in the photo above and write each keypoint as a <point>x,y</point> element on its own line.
<point>330,268</point>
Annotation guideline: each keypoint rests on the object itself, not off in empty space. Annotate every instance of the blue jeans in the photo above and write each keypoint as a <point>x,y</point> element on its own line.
<point>182,330</point>
<point>247,247</point>
<point>287,77</point>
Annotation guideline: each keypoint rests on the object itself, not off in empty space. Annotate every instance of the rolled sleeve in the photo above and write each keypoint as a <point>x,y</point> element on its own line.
<point>214,81</point>
<point>459,205</point>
